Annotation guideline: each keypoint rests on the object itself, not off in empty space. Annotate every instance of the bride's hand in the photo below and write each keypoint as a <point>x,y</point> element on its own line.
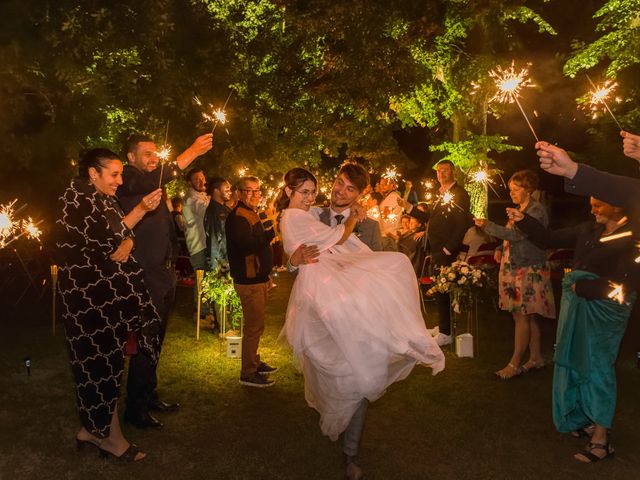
<point>358,212</point>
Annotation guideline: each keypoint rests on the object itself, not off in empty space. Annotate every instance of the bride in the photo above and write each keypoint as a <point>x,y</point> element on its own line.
<point>354,319</point>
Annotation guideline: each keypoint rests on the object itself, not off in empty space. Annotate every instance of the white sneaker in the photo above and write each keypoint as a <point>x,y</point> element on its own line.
<point>443,339</point>
<point>434,331</point>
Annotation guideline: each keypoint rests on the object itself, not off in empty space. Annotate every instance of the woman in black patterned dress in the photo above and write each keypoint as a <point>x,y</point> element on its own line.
<point>103,296</point>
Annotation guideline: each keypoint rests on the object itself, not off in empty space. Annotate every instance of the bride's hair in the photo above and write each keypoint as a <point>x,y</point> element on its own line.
<point>293,179</point>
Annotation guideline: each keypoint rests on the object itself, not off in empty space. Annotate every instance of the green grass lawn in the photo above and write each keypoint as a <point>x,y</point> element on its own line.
<point>461,424</point>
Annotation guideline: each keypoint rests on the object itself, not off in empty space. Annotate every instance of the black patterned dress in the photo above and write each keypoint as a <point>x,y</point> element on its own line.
<point>101,300</point>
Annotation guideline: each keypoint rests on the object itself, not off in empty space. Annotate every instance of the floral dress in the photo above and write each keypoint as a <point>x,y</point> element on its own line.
<point>525,290</point>
<point>524,280</point>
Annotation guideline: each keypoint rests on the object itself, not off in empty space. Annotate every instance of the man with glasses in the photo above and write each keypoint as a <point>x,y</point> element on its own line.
<point>250,263</point>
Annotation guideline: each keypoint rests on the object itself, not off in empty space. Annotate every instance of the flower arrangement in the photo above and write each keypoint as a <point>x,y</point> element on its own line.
<point>460,280</point>
<point>217,287</point>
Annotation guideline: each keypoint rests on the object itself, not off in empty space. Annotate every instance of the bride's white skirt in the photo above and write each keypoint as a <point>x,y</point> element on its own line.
<point>355,325</point>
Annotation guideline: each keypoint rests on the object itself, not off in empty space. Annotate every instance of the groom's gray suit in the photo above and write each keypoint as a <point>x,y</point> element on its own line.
<point>368,230</point>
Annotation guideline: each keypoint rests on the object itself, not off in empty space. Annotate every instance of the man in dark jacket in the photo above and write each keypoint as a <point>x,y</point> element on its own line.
<point>448,220</point>
<point>250,263</point>
<point>153,236</point>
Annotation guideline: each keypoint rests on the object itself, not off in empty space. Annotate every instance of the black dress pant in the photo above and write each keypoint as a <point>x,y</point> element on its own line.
<point>142,379</point>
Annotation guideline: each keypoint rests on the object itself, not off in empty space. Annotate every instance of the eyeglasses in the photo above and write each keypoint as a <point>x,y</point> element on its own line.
<point>251,192</point>
<point>307,193</point>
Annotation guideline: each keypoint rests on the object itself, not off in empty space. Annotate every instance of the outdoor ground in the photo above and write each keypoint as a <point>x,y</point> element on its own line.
<point>461,424</point>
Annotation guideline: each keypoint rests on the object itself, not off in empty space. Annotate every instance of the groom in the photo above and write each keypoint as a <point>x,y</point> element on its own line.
<point>351,181</point>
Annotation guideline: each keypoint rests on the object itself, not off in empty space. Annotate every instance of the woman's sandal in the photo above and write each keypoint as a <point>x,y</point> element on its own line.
<point>128,456</point>
<point>532,365</point>
<point>591,457</point>
<point>515,371</point>
<point>82,444</point>
<point>584,432</point>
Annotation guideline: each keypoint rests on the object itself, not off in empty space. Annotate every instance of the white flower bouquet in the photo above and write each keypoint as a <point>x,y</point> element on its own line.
<point>461,281</point>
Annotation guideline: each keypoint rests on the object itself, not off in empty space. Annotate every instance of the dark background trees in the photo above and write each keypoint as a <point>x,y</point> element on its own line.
<point>314,81</point>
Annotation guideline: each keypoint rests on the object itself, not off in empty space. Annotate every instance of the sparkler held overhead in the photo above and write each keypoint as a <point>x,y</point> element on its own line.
<point>214,115</point>
<point>599,96</point>
<point>510,83</point>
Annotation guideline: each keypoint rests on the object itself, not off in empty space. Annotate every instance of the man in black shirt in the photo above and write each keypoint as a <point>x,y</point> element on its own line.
<point>153,251</point>
<point>250,263</point>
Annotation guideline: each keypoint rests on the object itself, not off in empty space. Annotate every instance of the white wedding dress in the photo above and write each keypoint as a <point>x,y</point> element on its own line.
<point>354,320</point>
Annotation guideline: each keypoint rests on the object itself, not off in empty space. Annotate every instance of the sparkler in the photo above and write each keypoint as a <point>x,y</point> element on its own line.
<point>391,173</point>
<point>216,115</point>
<point>163,153</point>
<point>617,292</point>
<point>11,229</point>
<point>600,94</point>
<point>510,83</point>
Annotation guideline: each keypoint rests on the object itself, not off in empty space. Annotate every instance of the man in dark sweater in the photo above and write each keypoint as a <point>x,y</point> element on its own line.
<point>250,263</point>
<point>153,236</point>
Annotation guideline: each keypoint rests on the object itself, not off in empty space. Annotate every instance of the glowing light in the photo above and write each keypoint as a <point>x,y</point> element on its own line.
<point>509,83</point>
<point>616,236</point>
<point>7,224</point>
<point>214,115</point>
<point>242,171</point>
<point>31,229</point>
<point>391,173</point>
<point>599,96</point>
<point>447,198</point>
<point>617,292</point>
<point>163,153</point>
<point>11,229</point>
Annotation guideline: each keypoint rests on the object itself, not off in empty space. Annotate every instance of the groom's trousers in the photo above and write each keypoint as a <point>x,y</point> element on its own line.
<point>353,433</point>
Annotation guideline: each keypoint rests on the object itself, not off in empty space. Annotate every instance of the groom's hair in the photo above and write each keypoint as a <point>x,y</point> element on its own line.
<point>356,174</point>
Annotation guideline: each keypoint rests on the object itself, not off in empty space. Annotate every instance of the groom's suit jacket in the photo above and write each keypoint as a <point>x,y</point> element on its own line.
<point>368,230</point>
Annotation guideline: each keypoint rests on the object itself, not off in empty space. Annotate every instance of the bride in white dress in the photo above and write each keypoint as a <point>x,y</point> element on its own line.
<point>354,319</point>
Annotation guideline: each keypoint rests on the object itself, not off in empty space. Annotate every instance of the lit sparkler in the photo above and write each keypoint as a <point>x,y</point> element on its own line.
<point>599,95</point>
<point>163,153</point>
<point>617,292</point>
<point>391,173</point>
<point>510,83</point>
<point>11,229</point>
<point>31,229</point>
<point>242,171</point>
<point>7,223</point>
<point>214,115</point>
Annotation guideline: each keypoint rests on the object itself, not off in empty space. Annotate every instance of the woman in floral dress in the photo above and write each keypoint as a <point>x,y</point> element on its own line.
<point>524,278</point>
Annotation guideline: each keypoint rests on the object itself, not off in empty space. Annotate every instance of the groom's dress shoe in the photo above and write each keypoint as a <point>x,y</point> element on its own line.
<point>142,420</point>
<point>160,406</point>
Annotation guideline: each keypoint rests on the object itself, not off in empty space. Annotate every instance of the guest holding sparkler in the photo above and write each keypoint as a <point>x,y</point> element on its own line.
<point>593,318</point>
<point>585,180</point>
<point>448,220</point>
<point>103,296</point>
<point>524,278</point>
<point>153,239</point>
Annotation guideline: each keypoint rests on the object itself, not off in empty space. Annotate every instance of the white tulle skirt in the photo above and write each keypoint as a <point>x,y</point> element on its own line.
<point>355,325</point>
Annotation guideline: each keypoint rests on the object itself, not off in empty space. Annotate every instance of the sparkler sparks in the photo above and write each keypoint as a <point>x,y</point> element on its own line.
<point>391,173</point>
<point>7,223</point>
<point>214,115</point>
<point>616,293</point>
<point>510,83</point>
<point>31,229</point>
<point>599,96</point>
<point>163,153</point>
<point>11,229</point>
